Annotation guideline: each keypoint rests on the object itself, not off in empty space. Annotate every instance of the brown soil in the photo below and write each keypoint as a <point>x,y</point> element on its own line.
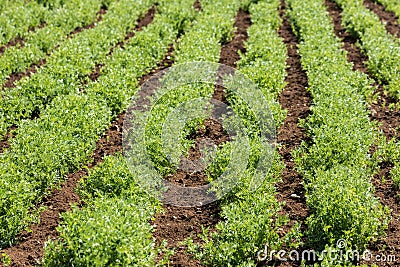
<point>29,250</point>
<point>389,18</point>
<point>96,72</point>
<point>197,5</point>
<point>4,144</point>
<point>229,52</point>
<point>389,120</point>
<point>178,223</point>
<point>212,130</point>
<point>100,14</point>
<point>389,197</point>
<point>296,100</point>
<point>35,28</point>
<point>16,41</point>
<point>15,77</point>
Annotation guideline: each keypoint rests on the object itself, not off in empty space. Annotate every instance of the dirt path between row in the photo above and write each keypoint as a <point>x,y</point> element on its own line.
<point>389,120</point>
<point>296,100</point>
<point>14,42</point>
<point>29,250</point>
<point>389,18</point>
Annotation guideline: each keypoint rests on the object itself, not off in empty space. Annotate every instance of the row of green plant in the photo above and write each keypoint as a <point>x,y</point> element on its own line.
<point>64,137</point>
<point>39,43</point>
<point>113,228</point>
<point>17,17</point>
<point>391,5</point>
<point>67,67</point>
<point>250,212</point>
<point>382,49</point>
<point>336,164</point>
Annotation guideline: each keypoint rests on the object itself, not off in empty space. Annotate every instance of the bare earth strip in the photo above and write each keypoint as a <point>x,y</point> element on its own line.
<point>15,77</point>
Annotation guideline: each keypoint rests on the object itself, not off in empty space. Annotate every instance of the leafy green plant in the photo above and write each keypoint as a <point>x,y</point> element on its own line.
<point>5,259</point>
<point>19,17</point>
<point>109,232</point>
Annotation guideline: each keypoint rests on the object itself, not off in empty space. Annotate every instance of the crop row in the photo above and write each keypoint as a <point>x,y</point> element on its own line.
<point>389,5</point>
<point>113,180</point>
<point>64,136</point>
<point>39,43</point>
<point>336,164</point>
<point>65,68</point>
<point>382,49</point>
<point>239,235</point>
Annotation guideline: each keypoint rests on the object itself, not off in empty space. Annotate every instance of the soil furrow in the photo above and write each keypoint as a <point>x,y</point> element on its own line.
<point>100,14</point>
<point>29,250</point>
<point>15,77</point>
<point>296,100</point>
<point>178,223</point>
<point>389,18</point>
<point>4,142</point>
<point>389,121</point>
<point>144,21</point>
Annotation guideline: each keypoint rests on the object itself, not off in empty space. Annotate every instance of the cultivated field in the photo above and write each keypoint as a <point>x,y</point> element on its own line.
<point>200,133</point>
